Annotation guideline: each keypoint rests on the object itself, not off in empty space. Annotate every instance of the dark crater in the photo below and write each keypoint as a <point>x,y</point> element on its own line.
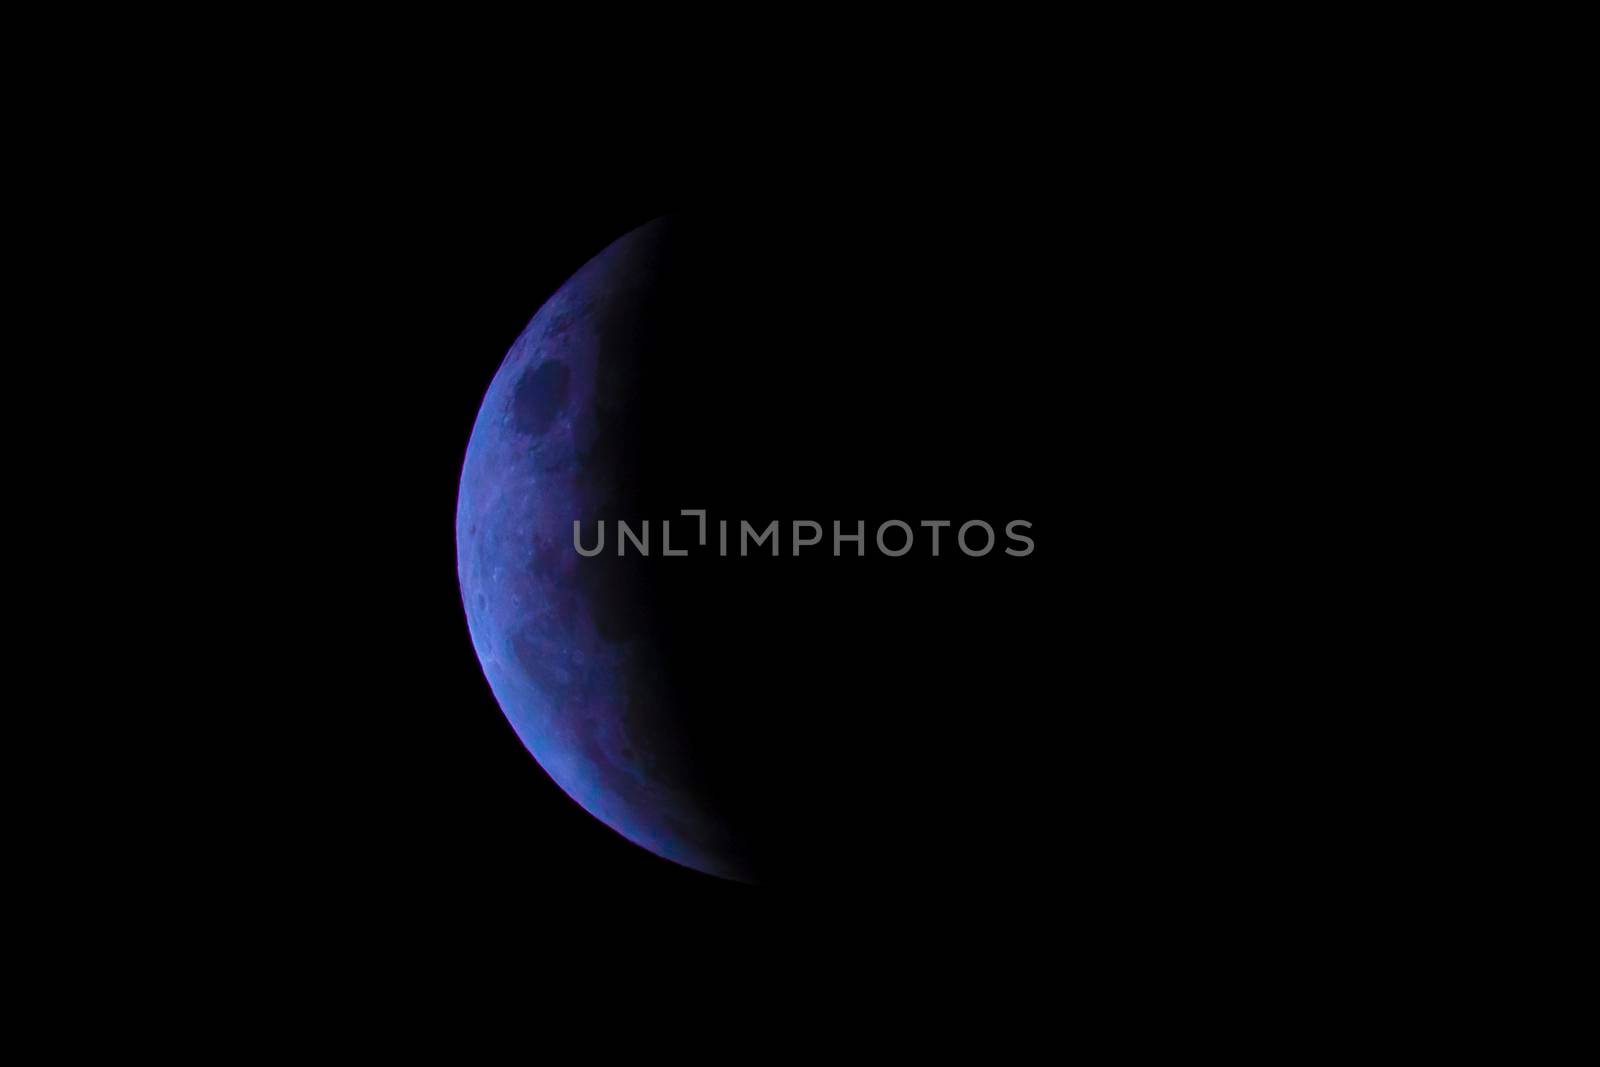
<point>540,395</point>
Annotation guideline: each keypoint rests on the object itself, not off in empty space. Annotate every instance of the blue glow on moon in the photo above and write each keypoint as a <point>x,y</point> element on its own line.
<point>566,657</point>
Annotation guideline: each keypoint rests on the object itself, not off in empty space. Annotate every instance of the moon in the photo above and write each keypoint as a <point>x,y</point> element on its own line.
<point>561,637</point>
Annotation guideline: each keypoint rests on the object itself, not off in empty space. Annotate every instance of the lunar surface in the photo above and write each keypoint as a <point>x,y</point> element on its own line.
<point>560,636</point>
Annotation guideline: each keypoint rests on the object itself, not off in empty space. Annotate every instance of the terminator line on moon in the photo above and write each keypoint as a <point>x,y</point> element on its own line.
<point>578,680</point>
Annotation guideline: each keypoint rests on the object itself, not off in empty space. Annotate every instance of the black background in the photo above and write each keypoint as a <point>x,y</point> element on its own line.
<point>1145,326</point>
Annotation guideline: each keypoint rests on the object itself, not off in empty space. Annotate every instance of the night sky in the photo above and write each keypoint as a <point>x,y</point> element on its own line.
<point>882,353</point>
